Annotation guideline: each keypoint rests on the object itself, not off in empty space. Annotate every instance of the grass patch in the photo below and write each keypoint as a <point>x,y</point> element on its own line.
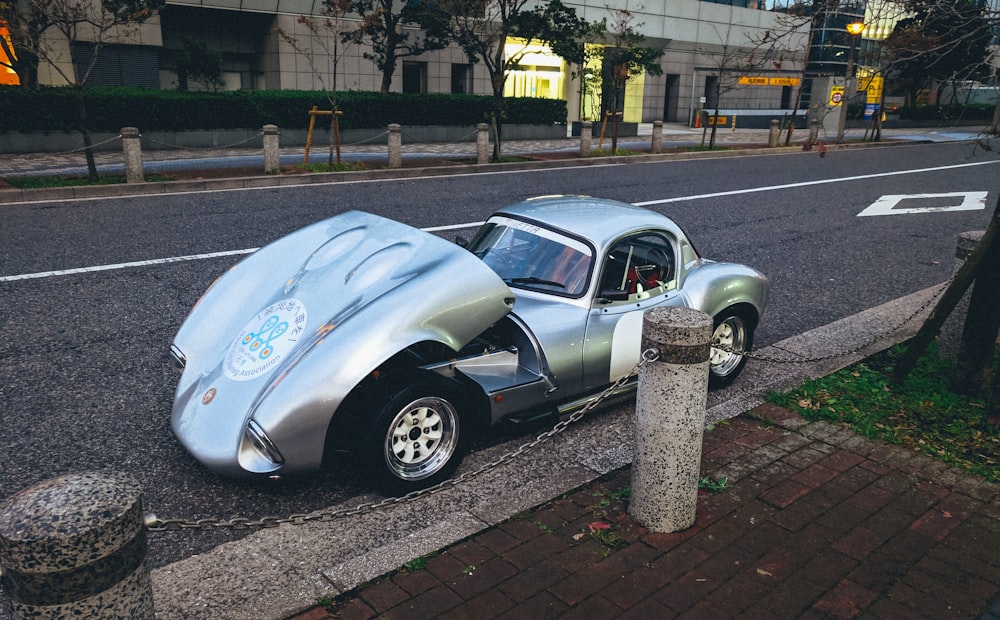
<point>73,181</point>
<point>343,166</point>
<point>923,413</point>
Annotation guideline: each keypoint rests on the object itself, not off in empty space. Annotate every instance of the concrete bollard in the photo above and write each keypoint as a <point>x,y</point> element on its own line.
<point>482,143</point>
<point>586,131</point>
<point>657,144</point>
<point>75,547</point>
<point>132,151</point>
<point>271,165</point>
<point>670,419</point>
<point>395,146</point>
<point>773,133</point>
<point>950,338</point>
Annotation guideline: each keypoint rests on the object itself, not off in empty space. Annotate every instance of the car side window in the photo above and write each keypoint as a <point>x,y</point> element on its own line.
<point>638,267</point>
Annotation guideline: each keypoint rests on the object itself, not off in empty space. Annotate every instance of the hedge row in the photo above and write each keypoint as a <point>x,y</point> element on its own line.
<point>110,109</point>
<point>947,112</point>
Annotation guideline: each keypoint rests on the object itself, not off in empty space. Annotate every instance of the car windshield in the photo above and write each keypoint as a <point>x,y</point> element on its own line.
<point>531,257</point>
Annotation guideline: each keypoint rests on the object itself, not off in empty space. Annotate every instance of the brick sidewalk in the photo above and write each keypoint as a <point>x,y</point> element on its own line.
<point>814,522</point>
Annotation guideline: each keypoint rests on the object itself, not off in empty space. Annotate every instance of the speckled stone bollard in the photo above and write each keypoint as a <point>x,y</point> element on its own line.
<point>773,133</point>
<point>75,547</point>
<point>271,159</point>
<point>657,142</point>
<point>586,135</point>
<point>670,419</point>
<point>132,153</point>
<point>950,338</point>
<point>482,143</point>
<point>395,145</point>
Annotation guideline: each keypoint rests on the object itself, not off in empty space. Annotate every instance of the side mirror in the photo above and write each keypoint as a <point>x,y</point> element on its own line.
<point>613,294</point>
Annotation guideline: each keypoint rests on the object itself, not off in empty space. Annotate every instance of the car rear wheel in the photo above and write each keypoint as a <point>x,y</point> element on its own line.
<point>731,339</point>
<point>416,438</point>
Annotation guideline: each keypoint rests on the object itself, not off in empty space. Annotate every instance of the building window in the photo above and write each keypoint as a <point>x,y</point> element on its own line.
<point>461,79</point>
<point>119,65</point>
<point>414,77</point>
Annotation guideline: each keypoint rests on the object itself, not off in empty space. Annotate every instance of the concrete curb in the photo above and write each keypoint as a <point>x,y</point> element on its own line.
<point>278,572</point>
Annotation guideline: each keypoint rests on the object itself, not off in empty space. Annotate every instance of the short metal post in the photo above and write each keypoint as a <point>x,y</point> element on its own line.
<point>657,144</point>
<point>75,547</point>
<point>395,146</point>
<point>132,151</point>
<point>482,143</point>
<point>773,133</point>
<point>950,338</point>
<point>670,419</point>
<point>271,165</point>
<point>586,133</point>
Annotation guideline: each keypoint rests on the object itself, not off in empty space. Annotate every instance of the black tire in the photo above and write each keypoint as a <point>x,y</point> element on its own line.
<point>417,434</point>
<point>734,330</point>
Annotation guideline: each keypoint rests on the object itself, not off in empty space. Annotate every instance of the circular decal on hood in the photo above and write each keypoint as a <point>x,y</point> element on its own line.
<point>266,339</point>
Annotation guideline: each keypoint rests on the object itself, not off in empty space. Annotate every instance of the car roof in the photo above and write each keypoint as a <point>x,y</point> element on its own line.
<point>599,220</point>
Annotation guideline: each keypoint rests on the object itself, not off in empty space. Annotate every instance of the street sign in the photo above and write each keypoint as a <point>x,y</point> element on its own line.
<point>836,95</point>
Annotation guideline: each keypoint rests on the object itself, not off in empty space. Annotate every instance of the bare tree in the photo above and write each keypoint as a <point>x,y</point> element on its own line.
<point>389,26</point>
<point>51,31</point>
<point>323,51</point>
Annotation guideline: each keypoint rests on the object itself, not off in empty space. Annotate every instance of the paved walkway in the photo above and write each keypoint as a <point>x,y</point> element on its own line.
<point>814,522</point>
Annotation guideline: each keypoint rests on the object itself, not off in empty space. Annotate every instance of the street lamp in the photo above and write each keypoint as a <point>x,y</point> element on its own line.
<point>853,29</point>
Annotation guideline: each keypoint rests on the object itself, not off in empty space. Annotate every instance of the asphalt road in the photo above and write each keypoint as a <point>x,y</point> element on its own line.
<point>85,377</point>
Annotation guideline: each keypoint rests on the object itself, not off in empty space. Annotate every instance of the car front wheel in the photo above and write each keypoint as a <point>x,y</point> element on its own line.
<point>731,339</point>
<point>416,437</point>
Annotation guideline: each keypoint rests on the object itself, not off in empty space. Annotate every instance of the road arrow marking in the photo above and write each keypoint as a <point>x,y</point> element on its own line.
<point>886,205</point>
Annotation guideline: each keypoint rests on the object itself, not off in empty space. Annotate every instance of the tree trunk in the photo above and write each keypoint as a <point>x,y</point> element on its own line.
<point>982,323</point>
<point>949,299</point>
<point>88,148</point>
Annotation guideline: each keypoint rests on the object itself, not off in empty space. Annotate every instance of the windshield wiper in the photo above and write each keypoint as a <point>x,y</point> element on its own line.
<point>533,280</point>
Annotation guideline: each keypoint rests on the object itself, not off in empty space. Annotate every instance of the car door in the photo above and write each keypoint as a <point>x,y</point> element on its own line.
<point>637,273</point>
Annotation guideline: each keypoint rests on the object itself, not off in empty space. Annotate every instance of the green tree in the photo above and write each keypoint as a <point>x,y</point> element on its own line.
<point>576,41</point>
<point>483,29</point>
<point>624,59</point>
<point>390,28</point>
<point>197,63</point>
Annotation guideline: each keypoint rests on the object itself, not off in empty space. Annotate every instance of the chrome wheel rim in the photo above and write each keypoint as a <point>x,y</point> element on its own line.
<point>421,438</point>
<point>731,334</point>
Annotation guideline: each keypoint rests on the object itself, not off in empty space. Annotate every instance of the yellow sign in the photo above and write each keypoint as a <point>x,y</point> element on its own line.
<point>873,90</point>
<point>836,95</point>
<point>718,120</point>
<point>759,80</point>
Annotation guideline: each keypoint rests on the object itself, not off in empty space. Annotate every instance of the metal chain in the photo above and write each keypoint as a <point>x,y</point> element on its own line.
<point>84,148</point>
<point>852,351</point>
<point>155,524</point>
<point>204,148</point>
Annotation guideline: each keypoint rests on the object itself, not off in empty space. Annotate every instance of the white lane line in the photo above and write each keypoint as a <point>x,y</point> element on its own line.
<point>181,259</point>
<point>141,263</point>
<point>771,188</point>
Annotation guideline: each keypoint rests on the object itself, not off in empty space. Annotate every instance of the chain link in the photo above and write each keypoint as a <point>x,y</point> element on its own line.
<point>252,138</point>
<point>155,524</point>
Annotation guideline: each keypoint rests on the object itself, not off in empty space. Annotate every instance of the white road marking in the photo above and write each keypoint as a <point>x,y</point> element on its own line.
<point>176,259</point>
<point>771,188</point>
<point>886,205</point>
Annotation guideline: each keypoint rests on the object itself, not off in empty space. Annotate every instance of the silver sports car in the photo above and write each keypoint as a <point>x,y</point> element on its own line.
<point>360,337</point>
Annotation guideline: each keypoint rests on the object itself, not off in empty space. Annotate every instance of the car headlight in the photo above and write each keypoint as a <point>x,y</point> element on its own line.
<point>178,356</point>
<point>258,453</point>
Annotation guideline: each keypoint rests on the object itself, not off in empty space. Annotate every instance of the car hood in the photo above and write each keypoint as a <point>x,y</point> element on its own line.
<point>351,268</point>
